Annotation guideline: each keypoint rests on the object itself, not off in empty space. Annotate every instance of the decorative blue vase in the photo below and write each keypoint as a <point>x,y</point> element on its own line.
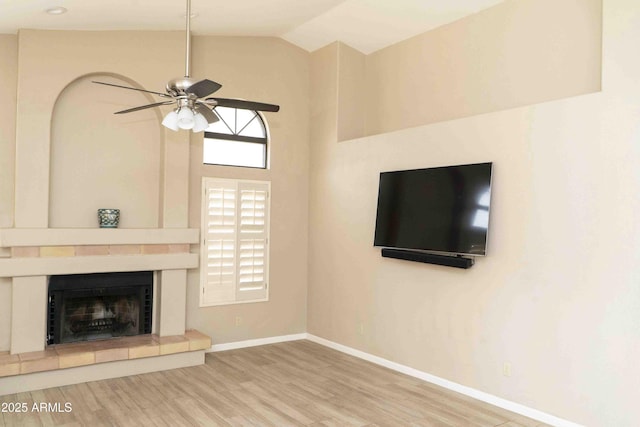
<point>108,218</point>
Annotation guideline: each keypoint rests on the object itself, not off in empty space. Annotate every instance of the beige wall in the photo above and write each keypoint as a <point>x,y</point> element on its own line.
<point>48,62</point>
<point>516,53</point>
<point>267,70</point>
<point>96,155</point>
<point>8,77</point>
<point>557,296</point>
<point>352,91</point>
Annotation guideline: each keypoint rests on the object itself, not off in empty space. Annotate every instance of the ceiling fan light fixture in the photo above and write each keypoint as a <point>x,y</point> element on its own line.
<point>171,121</point>
<point>200,123</point>
<point>190,96</point>
<point>185,118</point>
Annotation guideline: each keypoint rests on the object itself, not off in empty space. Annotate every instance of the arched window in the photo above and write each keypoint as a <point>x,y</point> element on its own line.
<point>239,138</point>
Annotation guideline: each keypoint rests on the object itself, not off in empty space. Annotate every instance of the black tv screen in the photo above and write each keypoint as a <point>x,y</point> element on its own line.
<point>443,209</point>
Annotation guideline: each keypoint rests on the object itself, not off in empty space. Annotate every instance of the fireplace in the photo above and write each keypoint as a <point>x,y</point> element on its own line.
<point>85,307</point>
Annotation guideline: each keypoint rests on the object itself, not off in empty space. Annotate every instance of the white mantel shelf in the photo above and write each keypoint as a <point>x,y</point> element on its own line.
<point>21,267</point>
<point>20,237</point>
<point>76,237</point>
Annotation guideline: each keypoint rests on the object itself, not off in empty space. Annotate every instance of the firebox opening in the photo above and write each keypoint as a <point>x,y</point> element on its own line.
<point>85,307</point>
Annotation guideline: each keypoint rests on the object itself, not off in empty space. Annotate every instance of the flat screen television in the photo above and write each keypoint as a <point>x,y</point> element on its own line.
<point>442,209</point>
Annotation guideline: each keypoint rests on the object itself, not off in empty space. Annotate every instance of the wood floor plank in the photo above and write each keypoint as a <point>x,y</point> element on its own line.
<point>297,383</point>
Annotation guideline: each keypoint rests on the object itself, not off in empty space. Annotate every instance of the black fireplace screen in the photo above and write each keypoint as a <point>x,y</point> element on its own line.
<point>99,306</point>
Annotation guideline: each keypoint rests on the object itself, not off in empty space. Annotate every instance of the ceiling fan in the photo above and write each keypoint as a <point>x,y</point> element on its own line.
<point>194,110</point>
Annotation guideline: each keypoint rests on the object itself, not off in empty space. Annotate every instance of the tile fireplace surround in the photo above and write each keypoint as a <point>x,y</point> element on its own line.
<point>31,255</point>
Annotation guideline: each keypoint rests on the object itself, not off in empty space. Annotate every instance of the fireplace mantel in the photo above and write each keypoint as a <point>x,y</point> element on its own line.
<point>21,237</point>
<point>45,251</point>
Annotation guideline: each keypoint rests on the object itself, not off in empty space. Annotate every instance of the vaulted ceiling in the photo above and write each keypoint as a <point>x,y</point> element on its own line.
<point>367,25</point>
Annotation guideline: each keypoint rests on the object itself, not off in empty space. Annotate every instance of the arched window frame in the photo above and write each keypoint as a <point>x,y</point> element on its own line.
<point>230,129</point>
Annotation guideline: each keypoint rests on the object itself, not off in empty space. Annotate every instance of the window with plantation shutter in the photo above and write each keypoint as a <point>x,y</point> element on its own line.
<point>235,229</point>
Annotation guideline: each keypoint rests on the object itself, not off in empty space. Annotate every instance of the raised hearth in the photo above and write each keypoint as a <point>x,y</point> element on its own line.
<point>58,364</point>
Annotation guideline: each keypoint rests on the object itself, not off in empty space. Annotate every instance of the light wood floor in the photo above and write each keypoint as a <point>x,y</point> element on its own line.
<point>289,384</point>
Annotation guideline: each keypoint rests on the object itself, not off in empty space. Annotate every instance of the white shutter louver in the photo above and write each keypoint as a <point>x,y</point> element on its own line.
<point>235,250</point>
<point>220,243</point>
<point>252,253</point>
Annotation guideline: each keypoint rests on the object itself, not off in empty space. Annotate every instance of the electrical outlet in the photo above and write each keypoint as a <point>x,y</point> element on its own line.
<point>238,320</point>
<point>506,369</point>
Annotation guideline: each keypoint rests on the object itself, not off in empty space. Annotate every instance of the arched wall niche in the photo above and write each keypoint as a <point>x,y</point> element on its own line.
<point>103,160</point>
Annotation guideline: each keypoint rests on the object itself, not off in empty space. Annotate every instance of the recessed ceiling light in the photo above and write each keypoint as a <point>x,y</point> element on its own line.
<point>58,10</point>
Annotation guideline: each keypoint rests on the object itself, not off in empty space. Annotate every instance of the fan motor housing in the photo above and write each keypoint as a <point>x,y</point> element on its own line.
<point>178,85</point>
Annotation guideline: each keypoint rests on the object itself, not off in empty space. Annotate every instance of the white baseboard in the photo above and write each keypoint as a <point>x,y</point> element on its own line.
<point>256,342</point>
<point>450,385</point>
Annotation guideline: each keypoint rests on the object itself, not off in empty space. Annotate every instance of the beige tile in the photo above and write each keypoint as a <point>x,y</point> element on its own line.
<point>70,360</point>
<point>8,369</point>
<point>108,344</point>
<point>5,358</point>
<point>139,340</point>
<point>92,250</point>
<point>75,355</point>
<point>143,346</point>
<point>173,344</point>
<point>26,252</point>
<point>111,350</point>
<point>144,350</point>
<point>169,339</point>
<point>124,249</point>
<point>49,362</point>
<point>112,354</point>
<point>9,365</point>
<point>155,249</point>
<point>178,249</point>
<point>77,347</point>
<point>197,340</point>
<point>57,251</point>
<point>36,355</point>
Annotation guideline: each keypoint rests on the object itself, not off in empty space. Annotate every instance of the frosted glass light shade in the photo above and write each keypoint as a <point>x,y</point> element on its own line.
<point>200,124</point>
<point>171,121</point>
<point>185,118</point>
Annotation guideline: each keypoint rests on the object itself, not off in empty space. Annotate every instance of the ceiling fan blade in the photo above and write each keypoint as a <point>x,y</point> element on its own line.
<point>245,105</point>
<point>207,113</point>
<point>134,88</point>
<point>144,107</point>
<point>203,88</point>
